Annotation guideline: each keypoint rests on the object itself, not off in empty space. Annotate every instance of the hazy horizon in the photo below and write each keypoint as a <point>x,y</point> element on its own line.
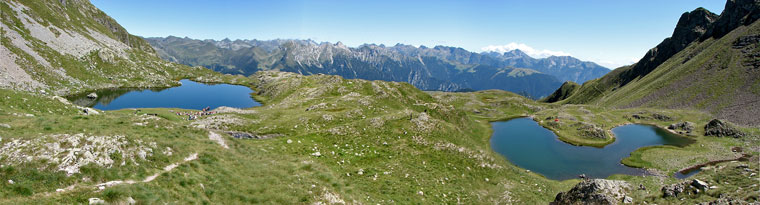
<point>611,34</point>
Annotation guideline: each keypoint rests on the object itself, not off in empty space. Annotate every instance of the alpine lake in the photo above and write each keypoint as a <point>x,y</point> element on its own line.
<point>521,140</point>
<point>528,145</point>
<point>190,95</point>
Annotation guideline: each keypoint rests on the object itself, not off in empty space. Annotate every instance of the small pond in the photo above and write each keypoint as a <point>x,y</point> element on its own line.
<point>528,145</point>
<point>190,95</point>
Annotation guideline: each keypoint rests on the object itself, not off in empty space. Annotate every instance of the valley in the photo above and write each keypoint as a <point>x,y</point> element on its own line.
<point>91,114</point>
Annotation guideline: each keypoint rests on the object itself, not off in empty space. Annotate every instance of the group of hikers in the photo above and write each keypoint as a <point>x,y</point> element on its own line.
<point>195,115</point>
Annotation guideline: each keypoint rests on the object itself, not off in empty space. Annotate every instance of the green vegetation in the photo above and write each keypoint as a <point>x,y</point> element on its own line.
<point>711,75</point>
<point>388,147</point>
<point>329,139</point>
<point>370,149</point>
<point>566,90</point>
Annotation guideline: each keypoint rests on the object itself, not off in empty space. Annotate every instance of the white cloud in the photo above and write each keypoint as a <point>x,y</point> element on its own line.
<point>532,52</point>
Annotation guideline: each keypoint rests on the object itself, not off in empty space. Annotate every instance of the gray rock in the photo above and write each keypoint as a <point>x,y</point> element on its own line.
<point>719,128</point>
<point>685,126</point>
<point>627,200</point>
<point>96,201</point>
<point>689,187</point>
<point>661,117</point>
<point>724,201</point>
<point>130,200</point>
<point>672,190</point>
<point>699,184</point>
<point>638,117</point>
<point>245,135</point>
<point>90,111</point>
<point>7,126</point>
<point>92,95</point>
<point>591,131</point>
<point>594,191</point>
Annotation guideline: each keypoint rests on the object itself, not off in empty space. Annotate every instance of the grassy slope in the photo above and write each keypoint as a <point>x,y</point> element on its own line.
<point>710,54</point>
<point>446,152</point>
<point>98,69</point>
<point>563,92</point>
<point>672,84</point>
<point>364,126</point>
<point>373,131</point>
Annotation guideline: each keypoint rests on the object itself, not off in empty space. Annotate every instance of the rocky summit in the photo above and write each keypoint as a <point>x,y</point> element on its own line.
<point>595,191</point>
<point>690,69</point>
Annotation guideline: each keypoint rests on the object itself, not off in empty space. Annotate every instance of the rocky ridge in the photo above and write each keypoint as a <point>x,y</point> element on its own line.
<point>440,68</point>
<point>595,191</point>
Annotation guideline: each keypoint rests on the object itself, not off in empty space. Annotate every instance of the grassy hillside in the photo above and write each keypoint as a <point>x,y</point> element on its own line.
<point>378,142</point>
<point>65,47</point>
<point>714,73</point>
<point>716,76</point>
<point>566,90</point>
<point>317,139</point>
<point>327,139</point>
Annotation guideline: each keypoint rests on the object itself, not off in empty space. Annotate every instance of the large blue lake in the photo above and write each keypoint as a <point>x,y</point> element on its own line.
<point>190,95</point>
<point>528,145</point>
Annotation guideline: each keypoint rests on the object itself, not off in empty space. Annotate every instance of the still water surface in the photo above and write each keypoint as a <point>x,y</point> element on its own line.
<point>528,145</point>
<point>190,95</point>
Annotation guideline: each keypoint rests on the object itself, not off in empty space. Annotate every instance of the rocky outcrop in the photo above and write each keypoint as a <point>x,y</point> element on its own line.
<point>685,126</point>
<point>595,191</point>
<point>245,135</point>
<point>690,27</point>
<point>692,187</point>
<point>661,117</point>
<point>70,152</point>
<point>725,201</point>
<point>685,83</point>
<point>699,24</point>
<point>657,116</point>
<point>735,14</point>
<point>720,128</point>
<point>591,131</point>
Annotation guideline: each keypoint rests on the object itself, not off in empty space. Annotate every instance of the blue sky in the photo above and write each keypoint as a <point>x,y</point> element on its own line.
<point>611,33</point>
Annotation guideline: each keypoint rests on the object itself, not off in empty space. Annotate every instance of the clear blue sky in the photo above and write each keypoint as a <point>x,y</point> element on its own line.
<point>611,33</point>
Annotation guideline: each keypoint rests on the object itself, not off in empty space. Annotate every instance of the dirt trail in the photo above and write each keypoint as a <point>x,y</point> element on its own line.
<point>218,138</point>
<point>150,178</point>
<point>170,167</point>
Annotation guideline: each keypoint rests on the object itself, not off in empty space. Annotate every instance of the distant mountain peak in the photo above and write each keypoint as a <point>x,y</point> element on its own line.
<point>516,53</point>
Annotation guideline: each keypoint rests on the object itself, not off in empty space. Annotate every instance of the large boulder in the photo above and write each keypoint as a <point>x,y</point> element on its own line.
<point>694,186</point>
<point>661,117</point>
<point>595,191</point>
<point>720,128</point>
<point>687,127</point>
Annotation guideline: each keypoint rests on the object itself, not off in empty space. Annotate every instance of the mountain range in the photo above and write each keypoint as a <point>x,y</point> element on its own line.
<point>325,139</point>
<point>710,63</point>
<point>439,68</point>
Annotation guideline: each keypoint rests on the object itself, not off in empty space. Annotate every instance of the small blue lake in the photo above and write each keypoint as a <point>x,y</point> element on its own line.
<point>528,145</point>
<point>190,95</point>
